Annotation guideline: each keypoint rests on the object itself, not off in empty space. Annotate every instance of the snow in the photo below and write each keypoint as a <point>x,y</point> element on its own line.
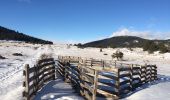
<point>57,90</point>
<point>157,91</point>
<point>11,69</point>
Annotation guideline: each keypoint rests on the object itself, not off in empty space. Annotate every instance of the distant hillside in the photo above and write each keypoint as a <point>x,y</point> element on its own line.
<point>119,41</point>
<point>123,41</point>
<point>8,34</point>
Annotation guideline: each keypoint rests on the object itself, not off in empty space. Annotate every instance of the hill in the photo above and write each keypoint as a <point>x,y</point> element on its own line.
<point>8,34</point>
<point>123,41</point>
<point>131,42</point>
<point>119,41</point>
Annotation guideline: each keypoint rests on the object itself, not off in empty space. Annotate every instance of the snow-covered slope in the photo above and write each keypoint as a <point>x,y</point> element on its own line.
<point>12,67</point>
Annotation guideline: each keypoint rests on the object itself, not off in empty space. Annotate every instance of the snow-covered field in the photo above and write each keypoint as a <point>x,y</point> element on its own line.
<point>11,68</point>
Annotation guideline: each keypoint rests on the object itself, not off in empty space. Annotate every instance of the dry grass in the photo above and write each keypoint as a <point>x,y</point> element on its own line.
<point>45,56</point>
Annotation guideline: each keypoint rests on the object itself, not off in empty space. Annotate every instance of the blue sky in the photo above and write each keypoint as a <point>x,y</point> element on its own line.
<point>87,20</point>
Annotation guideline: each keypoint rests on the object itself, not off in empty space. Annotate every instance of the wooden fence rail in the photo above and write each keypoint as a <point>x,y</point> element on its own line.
<point>93,78</point>
<point>35,77</point>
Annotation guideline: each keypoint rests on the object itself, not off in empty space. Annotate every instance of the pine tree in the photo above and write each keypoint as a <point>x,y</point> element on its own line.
<point>146,45</point>
<point>162,48</point>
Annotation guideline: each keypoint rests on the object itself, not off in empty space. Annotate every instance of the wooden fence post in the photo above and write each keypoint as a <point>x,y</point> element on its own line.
<point>54,72</point>
<point>95,85</point>
<point>27,91</point>
<point>43,68</point>
<point>37,78</point>
<point>131,76</point>
<point>156,73</point>
<point>150,72</point>
<point>140,75</point>
<point>145,67</point>
<point>65,73</point>
<point>147,74</point>
<point>35,81</point>
<point>81,81</point>
<point>102,61</point>
<point>118,83</point>
<point>91,62</point>
<point>83,91</point>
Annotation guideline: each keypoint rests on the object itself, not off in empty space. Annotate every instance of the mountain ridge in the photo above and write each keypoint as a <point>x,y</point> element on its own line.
<point>9,34</point>
<point>123,41</point>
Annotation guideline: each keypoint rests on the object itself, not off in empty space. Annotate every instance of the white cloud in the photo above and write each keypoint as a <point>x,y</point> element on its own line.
<point>142,34</point>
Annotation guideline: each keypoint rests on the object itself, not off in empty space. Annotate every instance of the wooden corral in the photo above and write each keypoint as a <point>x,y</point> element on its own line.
<point>92,78</point>
<point>108,79</point>
<point>35,77</point>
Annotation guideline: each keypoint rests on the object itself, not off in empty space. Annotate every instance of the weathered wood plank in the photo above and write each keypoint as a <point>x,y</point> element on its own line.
<point>125,69</point>
<point>45,60</point>
<point>107,95</point>
<point>45,64</point>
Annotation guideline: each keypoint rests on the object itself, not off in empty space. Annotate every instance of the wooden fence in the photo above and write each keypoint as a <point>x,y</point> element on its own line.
<point>35,77</point>
<point>93,78</point>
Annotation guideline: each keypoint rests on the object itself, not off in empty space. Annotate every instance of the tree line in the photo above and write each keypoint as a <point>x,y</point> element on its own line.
<point>8,34</point>
<point>152,46</point>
